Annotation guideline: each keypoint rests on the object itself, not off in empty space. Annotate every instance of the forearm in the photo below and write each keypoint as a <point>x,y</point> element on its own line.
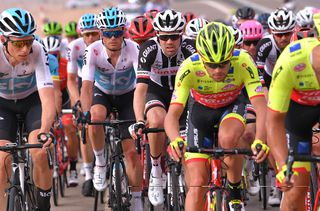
<point>58,100</point>
<point>277,141</point>
<point>73,89</point>
<point>48,109</point>
<point>260,108</point>
<point>172,127</point>
<point>139,102</point>
<point>86,95</point>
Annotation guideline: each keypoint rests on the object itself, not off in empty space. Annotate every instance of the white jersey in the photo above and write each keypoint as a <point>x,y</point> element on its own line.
<point>64,47</point>
<point>111,80</point>
<point>267,54</point>
<point>75,56</point>
<point>25,78</point>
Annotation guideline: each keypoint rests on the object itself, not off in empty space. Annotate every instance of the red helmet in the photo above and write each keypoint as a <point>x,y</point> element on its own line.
<point>188,16</point>
<point>141,29</point>
<point>151,14</point>
<point>303,33</point>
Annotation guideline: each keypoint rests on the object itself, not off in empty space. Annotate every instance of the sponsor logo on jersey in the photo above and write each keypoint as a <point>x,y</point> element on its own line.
<point>184,75</point>
<point>299,67</point>
<point>236,53</point>
<point>200,73</point>
<point>195,57</point>
<point>258,89</point>
<point>95,51</point>
<point>249,69</point>
<point>295,47</point>
<point>228,86</point>
<point>263,47</point>
<point>150,48</point>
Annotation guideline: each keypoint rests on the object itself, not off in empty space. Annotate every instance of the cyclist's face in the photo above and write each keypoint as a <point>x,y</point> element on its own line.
<point>282,39</point>
<point>169,42</point>
<point>250,46</point>
<point>113,38</point>
<point>218,72</point>
<point>90,37</point>
<point>18,47</point>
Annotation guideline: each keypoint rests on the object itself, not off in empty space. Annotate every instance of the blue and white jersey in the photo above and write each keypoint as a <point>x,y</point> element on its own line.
<point>111,80</point>
<point>27,77</point>
<point>75,56</point>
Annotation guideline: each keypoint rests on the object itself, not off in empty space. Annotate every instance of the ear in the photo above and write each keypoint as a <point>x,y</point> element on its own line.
<point>2,39</point>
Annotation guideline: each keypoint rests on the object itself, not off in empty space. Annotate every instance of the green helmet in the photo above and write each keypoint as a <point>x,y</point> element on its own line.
<point>52,28</point>
<point>215,42</point>
<point>71,29</point>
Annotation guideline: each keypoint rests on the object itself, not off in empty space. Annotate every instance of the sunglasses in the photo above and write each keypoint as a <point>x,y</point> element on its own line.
<point>282,34</point>
<point>166,37</point>
<point>216,65</point>
<point>250,42</point>
<point>92,34</point>
<point>110,34</point>
<point>21,43</point>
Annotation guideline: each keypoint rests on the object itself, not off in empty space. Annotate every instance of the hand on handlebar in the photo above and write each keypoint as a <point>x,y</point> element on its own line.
<point>263,152</point>
<point>177,148</point>
<point>45,138</point>
<point>282,179</point>
<point>136,129</point>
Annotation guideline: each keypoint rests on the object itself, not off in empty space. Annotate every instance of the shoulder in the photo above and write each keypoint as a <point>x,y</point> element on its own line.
<point>188,45</point>
<point>265,45</point>
<point>131,45</point>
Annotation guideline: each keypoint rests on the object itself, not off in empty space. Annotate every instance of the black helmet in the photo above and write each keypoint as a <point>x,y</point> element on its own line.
<point>245,13</point>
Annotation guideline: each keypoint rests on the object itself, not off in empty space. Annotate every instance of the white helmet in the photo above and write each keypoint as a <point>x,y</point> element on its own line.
<point>110,18</point>
<point>52,43</point>
<point>234,21</point>
<point>194,26</point>
<point>305,18</point>
<point>282,20</point>
<point>168,21</point>
<point>237,34</point>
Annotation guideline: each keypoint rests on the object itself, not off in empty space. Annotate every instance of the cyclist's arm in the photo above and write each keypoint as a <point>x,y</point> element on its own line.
<point>72,69</point>
<point>45,90</point>
<point>278,104</point>
<point>139,100</point>
<point>57,96</point>
<point>88,70</point>
<point>178,101</point>
<point>145,60</point>
<point>73,88</point>
<point>263,49</point>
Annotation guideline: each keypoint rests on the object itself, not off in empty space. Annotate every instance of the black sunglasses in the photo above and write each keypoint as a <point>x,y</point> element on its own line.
<point>283,34</point>
<point>216,65</point>
<point>166,37</point>
<point>21,43</point>
<point>250,42</point>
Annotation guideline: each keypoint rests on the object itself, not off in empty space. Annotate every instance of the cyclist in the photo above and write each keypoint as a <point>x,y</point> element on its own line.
<point>26,89</point>
<point>293,109</point>
<point>252,32</point>
<point>62,101</point>
<point>282,23</point>
<point>90,34</point>
<point>303,33</point>
<point>159,60</point>
<point>70,31</point>
<point>238,37</point>
<point>111,63</point>
<point>194,26</point>
<point>304,19</point>
<point>151,13</point>
<point>188,16</point>
<point>55,29</point>
<point>215,78</point>
<point>263,19</point>
<point>243,14</point>
<point>141,29</point>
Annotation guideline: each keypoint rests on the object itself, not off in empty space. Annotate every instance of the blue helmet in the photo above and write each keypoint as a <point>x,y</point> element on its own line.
<point>110,18</point>
<point>88,21</point>
<point>17,22</point>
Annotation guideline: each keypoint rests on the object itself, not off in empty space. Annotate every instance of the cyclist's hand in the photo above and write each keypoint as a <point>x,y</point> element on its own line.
<point>136,129</point>
<point>259,157</point>
<point>46,139</point>
<point>174,151</point>
<point>86,117</point>
<point>282,181</point>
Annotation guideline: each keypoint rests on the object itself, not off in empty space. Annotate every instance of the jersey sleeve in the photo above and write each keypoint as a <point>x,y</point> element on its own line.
<point>72,66</point>
<point>43,75</point>
<point>135,54</point>
<point>54,67</point>
<point>89,60</point>
<point>250,75</point>
<point>146,58</point>
<point>188,47</point>
<point>281,85</point>
<point>182,84</point>
<point>262,51</point>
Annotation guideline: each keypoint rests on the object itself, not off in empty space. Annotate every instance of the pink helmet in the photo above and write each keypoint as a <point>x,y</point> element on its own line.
<point>251,30</point>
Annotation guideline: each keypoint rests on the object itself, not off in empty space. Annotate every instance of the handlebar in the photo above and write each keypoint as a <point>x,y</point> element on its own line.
<point>219,152</point>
